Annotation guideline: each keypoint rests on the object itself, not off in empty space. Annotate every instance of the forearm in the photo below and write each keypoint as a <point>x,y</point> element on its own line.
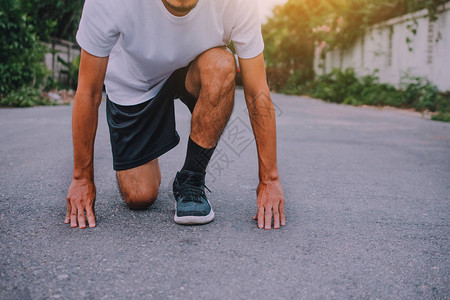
<point>269,193</point>
<point>262,118</point>
<point>84,128</point>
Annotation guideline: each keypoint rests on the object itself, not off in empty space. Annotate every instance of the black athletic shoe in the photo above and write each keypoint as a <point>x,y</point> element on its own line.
<point>192,206</point>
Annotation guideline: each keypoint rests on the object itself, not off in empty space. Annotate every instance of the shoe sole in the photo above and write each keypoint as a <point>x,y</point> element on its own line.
<point>194,220</point>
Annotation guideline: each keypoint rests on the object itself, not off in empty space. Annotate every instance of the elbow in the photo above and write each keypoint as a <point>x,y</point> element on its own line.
<point>92,97</point>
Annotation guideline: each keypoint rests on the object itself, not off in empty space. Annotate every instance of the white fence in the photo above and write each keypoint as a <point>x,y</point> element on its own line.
<point>64,49</point>
<point>385,48</point>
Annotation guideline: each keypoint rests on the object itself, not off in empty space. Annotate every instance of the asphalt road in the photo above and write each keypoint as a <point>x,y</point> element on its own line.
<point>367,199</point>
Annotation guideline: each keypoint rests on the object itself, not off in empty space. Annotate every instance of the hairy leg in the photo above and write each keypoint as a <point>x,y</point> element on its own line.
<point>211,79</point>
<point>139,186</point>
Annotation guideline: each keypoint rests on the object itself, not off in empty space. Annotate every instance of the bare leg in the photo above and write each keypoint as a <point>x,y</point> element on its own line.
<point>211,79</point>
<point>139,186</point>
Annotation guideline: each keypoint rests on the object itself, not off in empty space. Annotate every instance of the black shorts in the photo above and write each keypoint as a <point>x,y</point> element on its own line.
<point>140,133</point>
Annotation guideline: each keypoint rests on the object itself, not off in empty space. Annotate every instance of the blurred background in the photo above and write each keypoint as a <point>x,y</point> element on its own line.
<point>358,52</point>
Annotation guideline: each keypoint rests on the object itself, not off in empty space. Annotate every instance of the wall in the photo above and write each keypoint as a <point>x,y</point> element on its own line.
<point>384,47</point>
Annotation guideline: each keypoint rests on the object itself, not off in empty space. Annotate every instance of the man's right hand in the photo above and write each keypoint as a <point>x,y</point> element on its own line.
<point>81,200</point>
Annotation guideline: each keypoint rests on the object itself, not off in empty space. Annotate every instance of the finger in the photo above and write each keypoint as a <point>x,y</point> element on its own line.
<point>67,219</point>
<point>276,218</point>
<point>90,216</point>
<point>268,218</point>
<point>261,217</point>
<point>283,218</point>
<point>73,216</point>
<point>81,217</point>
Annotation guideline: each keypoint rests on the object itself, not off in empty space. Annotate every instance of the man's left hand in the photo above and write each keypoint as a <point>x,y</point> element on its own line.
<point>270,202</point>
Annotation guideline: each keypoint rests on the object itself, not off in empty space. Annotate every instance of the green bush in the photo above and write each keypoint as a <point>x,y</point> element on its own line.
<point>442,116</point>
<point>335,86</point>
<point>295,81</point>
<point>54,18</point>
<point>345,87</point>
<point>368,91</point>
<point>25,97</point>
<point>422,95</point>
<point>23,73</point>
<point>21,54</point>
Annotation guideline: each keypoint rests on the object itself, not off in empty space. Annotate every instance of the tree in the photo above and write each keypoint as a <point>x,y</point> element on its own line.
<point>54,18</point>
<point>289,35</point>
<point>24,25</point>
<point>20,51</point>
<point>295,29</point>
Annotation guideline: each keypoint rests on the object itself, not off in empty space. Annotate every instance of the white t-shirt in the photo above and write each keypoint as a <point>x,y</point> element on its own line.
<point>146,43</point>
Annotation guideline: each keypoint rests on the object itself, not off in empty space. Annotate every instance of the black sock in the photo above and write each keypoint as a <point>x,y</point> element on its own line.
<point>197,157</point>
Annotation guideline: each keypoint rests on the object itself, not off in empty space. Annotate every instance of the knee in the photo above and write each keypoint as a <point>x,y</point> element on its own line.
<point>140,198</point>
<point>217,65</point>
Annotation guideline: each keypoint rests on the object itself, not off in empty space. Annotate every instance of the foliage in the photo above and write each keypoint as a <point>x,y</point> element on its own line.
<point>345,87</point>
<point>20,51</point>
<point>71,71</point>
<point>24,25</point>
<point>25,97</point>
<point>351,18</point>
<point>442,116</point>
<point>422,94</point>
<point>289,37</point>
<point>54,18</point>
<point>298,26</point>
<point>296,80</point>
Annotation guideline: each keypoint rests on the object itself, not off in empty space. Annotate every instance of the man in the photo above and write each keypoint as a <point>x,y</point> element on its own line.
<point>149,52</point>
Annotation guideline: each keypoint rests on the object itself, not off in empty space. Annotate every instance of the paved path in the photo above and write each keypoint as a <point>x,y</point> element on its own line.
<point>367,199</point>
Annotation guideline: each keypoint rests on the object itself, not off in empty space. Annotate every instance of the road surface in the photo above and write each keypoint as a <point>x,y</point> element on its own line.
<point>367,201</point>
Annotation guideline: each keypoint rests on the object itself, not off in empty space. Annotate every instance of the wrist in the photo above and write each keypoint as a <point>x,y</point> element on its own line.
<point>80,174</point>
<point>268,176</point>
